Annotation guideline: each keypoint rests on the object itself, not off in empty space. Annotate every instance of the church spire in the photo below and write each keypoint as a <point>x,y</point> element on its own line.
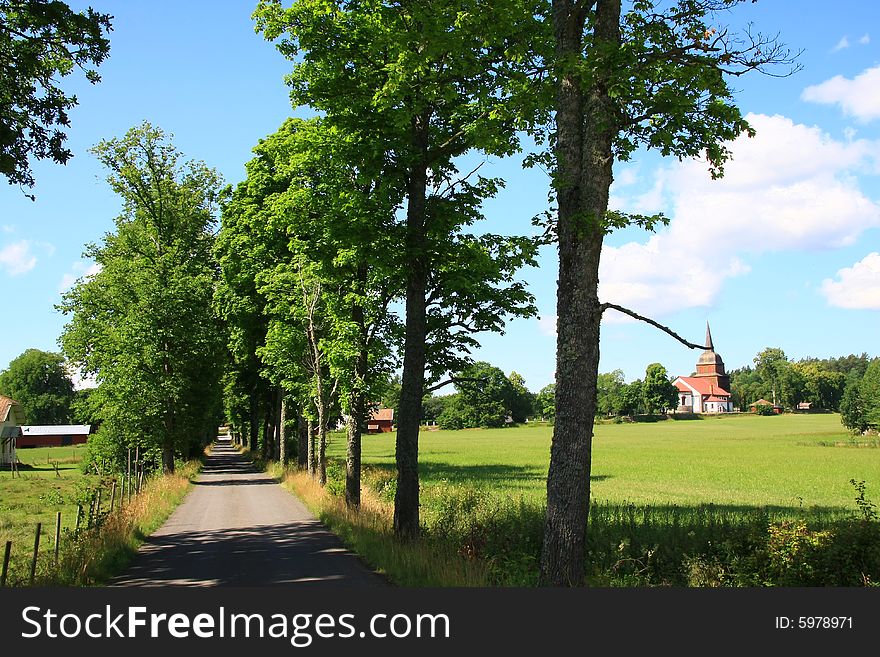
<point>709,345</point>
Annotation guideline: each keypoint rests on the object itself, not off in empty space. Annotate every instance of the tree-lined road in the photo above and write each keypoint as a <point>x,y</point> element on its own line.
<point>238,527</point>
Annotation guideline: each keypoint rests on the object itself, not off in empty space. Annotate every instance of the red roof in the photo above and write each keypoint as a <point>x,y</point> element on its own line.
<point>713,398</point>
<point>383,414</point>
<point>701,385</point>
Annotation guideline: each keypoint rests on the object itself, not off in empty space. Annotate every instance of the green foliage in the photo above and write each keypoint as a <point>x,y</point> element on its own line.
<point>487,399</point>
<point>42,41</point>
<point>39,381</point>
<point>632,399</point>
<point>141,325</point>
<point>764,409</point>
<point>609,393</point>
<point>658,392</point>
<point>545,402</point>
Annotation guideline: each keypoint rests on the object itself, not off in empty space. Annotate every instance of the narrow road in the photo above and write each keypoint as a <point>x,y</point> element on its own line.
<point>238,527</point>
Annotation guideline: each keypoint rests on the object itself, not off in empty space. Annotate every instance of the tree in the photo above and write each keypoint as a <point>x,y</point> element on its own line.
<point>609,391</point>
<point>853,408</point>
<point>632,398</point>
<point>658,392</point>
<point>41,40</point>
<point>545,402</point>
<point>770,364</point>
<point>142,325</point>
<point>429,94</point>
<point>653,77</point>
<point>39,381</point>
<point>484,399</point>
<point>869,390</point>
<point>522,404</point>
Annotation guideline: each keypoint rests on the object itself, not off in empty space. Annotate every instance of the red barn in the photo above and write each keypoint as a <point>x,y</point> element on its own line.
<point>54,435</point>
<point>381,421</point>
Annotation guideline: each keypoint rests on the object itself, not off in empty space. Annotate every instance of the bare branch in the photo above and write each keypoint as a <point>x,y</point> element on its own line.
<point>456,379</point>
<point>665,329</point>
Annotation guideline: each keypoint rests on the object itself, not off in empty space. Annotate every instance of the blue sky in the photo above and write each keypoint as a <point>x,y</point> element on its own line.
<point>784,252</point>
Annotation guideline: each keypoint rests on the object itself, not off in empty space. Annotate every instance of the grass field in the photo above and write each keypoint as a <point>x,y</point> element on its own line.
<point>781,461</point>
<point>36,496</point>
<point>728,501</point>
<point>42,490</point>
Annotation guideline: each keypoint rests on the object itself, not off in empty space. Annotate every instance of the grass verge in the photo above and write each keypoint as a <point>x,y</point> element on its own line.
<point>369,533</point>
<point>95,555</point>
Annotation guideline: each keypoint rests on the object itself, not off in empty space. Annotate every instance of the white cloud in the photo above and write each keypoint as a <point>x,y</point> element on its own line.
<point>859,97</point>
<point>79,269</point>
<point>842,44</point>
<point>856,287</point>
<point>792,187</point>
<point>16,258</point>
<point>865,40</point>
<point>6,228</point>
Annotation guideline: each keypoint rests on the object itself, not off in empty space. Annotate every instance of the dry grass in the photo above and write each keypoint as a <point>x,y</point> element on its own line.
<point>369,533</point>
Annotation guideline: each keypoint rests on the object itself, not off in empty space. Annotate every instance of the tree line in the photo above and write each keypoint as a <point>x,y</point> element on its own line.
<point>375,203</point>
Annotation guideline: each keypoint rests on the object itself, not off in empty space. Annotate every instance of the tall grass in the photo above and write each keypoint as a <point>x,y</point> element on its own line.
<point>97,554</point>
<point>369,533</point>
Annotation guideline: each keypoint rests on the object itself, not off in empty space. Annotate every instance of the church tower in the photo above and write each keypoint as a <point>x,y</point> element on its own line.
<point>710,367</point>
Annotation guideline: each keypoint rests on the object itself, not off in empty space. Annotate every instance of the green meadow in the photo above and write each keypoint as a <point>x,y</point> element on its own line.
<point>35,495</point>
<point>738,500</point>
<point>780,461</point>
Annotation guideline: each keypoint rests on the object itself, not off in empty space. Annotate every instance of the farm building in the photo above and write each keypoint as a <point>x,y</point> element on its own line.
<point>777,409</point>
<point>54,436</point>
<point>11,417</point>
<point>381,421</point>
<point>707,391</point>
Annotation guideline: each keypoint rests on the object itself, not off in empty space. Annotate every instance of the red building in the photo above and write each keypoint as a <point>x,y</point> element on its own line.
<point>381,421</point>
<point>54,435</point>
<point>707,391</point>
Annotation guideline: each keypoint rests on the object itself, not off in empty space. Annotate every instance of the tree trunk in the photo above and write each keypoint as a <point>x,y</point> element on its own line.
<point>311,448</point>
<point>302,443</point>
<point>279,419</point>
<point>406,497</point>
<point>584,168</point>
<point>282,432</point>
<point>356,414</point>
<point>254,423</point>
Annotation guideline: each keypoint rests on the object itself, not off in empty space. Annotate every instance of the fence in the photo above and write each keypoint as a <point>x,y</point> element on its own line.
<point>89,516</point>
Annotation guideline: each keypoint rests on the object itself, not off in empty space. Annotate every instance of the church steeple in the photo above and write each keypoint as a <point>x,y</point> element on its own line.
<point>710,365</point>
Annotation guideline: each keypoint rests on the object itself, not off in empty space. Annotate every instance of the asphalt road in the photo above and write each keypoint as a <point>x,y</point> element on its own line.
<point>238,527</point>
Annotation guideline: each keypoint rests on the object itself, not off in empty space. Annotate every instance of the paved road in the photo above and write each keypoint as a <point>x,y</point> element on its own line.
<point>238,527</point>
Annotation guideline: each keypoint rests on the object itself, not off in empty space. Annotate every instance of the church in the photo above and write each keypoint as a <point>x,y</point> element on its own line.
<point>708,390</point>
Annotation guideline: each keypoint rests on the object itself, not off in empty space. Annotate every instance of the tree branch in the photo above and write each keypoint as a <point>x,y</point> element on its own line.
<point>635,315</point>
<point>456,379</point>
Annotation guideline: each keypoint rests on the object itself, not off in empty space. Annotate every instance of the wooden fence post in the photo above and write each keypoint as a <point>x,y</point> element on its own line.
<point>57,535</point>
<point>5,570</point>
<point>98,506</point>
<point>112,495</point>
<point>79,511</point>
<point>36,549</point>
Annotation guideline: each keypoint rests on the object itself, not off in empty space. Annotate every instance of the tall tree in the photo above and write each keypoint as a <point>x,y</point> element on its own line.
<point>658,391</point>
<point>41,40</point>
<point>40,382</point>
<point>771,365</point>
<point>428,94</point>
<point>655,77</point>
<point>142,326</point>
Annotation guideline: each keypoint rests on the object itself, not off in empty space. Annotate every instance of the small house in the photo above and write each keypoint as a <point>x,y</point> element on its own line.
<point>11,417</point>
<point>777,409</point>
<point>381,420</point>
<point>60,435</point>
